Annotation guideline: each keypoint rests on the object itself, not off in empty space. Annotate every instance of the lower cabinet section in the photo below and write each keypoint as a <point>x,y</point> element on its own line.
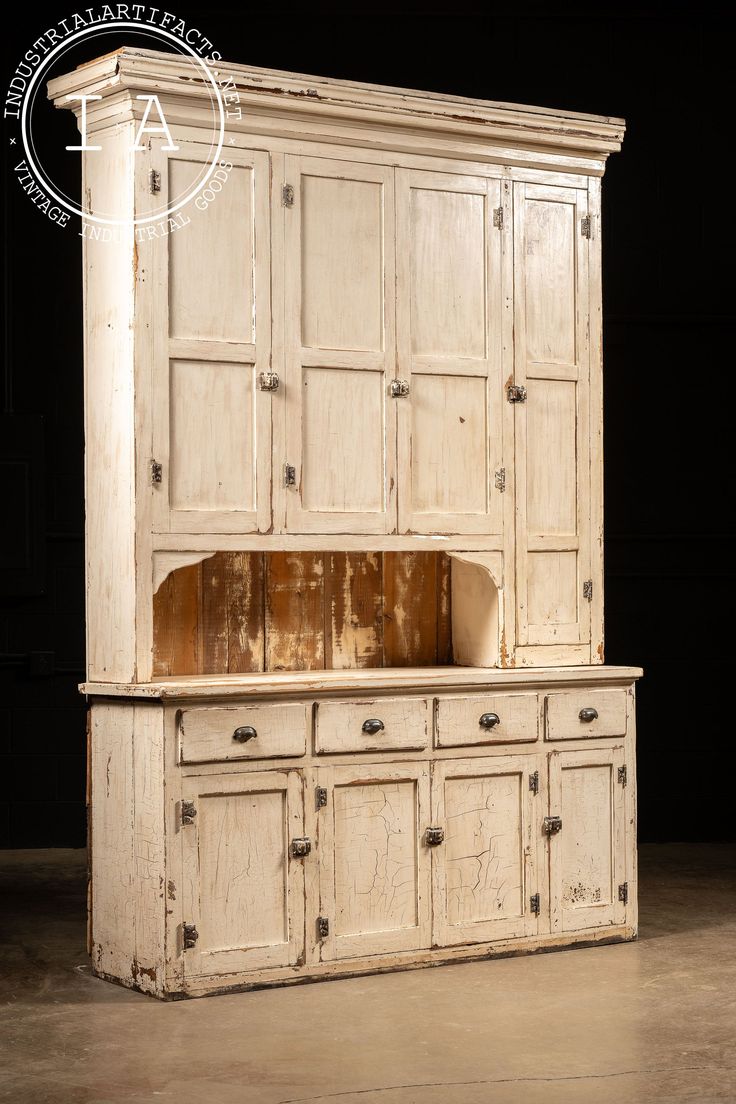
<point>243,893</point>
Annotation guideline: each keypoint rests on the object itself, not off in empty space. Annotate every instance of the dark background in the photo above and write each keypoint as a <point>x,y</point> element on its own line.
<point>668,253</point>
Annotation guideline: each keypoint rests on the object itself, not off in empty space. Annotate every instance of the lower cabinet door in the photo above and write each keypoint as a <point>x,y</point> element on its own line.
<point>587,854</point>
<point>374,860</point>
<point>485,873</point>
<point>243,887</point>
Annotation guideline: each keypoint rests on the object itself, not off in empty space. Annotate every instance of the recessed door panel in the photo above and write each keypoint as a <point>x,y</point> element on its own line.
<point>552,461</point>
<point>450,334</point>
<point>340,453</point>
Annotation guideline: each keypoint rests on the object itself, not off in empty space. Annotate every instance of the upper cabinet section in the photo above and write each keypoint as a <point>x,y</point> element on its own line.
<point>212,342</point>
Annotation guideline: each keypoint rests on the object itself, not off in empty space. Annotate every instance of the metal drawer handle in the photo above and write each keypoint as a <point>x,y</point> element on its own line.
<point>489,720</point>
<point>242,735</point>
<point>373,725</point>
<point>588,715</point>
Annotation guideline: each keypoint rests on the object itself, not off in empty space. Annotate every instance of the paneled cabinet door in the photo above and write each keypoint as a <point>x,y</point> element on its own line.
<point>587,858</point>
<point>243,888</point>
<point>552,449</point>
<point>374,861</point>
<point>211,342</point>
<point>450,321</point>
<point>485,872</point>
<point>339,347</point>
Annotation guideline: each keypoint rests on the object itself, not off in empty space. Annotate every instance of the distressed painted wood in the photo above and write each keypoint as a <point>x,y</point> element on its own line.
<point>379,535</point>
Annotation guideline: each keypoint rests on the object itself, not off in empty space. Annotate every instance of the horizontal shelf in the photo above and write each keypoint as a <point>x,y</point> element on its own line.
<point>357,681</point>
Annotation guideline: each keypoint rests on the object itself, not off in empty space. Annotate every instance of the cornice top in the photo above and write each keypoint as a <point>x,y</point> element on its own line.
<point>269,91</point>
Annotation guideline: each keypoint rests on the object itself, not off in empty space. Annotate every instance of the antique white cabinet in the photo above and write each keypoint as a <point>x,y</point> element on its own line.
<point>349,710</point>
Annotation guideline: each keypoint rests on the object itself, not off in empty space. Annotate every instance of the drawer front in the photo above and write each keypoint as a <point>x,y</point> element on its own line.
<point>354,725</point>
<point>584,714</point>
<point>219,735</point>
<point>470,719</point>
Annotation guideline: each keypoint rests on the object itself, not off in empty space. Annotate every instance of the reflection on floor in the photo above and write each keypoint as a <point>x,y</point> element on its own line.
<point>651,1021</point>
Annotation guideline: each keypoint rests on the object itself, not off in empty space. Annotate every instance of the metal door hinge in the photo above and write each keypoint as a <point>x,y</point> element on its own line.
<point>190,936</point>
<point>289,475</point>
<point>534,904</point>
<point>321,797</point>
<point>501,479</point>
<point>323,927</point>
<point>154,181</point>
<point>188,812</point>
<point>515,393</point>
<point>534,782</point>
<point>498,217</point>
<point>552,825</point>
<point>300,847</point>
<point>269,381</point>
<point>623,775</point>
<point>433,836</point>
<point>287,195</point>
<point>588,589</point>
<point>157,472</point>
<point>586,226</point>
<point>623,893</point>
<point>399,388</point>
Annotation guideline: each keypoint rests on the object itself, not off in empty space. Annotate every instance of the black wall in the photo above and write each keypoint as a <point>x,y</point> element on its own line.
<point>668,249</point>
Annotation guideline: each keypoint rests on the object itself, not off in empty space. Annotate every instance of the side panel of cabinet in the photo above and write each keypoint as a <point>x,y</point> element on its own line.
<point>212,421</point>
<point>553,500</point>
<point>450,312</point>
<point>243,891</point>
<point>587,857</point>
<point>485,872</point>
<point>374,862</point>
<point>339,347</point>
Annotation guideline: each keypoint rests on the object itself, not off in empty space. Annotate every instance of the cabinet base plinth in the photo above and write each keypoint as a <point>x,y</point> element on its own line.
<point>216,984</point>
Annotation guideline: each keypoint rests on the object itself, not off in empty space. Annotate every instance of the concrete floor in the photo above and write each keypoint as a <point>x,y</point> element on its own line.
<point>644,1022</point>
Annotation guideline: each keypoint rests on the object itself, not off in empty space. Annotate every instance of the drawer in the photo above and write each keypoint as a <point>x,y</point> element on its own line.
<point>212,735</point>
<point>582,714</point>
<point>469,719</point>
<point>344,725</point>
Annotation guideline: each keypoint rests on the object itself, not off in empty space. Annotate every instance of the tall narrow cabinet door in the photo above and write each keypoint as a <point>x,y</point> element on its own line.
<point>339,467</point>
<point>587,857</point>
<point>374,861</point>
<point>243,890</point>
<point>484,873</point>
<point>450,321</point>
<point>552,450</point>
<point>212,341</point>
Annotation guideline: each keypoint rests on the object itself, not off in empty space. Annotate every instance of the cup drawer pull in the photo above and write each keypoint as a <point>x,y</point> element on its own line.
<point>372,726</point>
<point>587,715</point>
<point>244,733</point>
<point>489,720</point>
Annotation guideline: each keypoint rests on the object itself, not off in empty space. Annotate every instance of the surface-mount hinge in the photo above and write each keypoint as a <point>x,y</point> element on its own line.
<point>515,393</point>
<point>498,218</point>
<point>190,936</point>
<point>623,893</point>
<point>287,195</point>
<point>588,589</point>
<point>321,797</point>
<point>623,775</point>
<point>586,226</point>
<point>534,904</point>
<point>157,472</point>
<point>501,479</point>
<point>154,181</point>
<point>289,475</point>
<point>188,812</point>
<point>534,782</point>
<point>323,927</point>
